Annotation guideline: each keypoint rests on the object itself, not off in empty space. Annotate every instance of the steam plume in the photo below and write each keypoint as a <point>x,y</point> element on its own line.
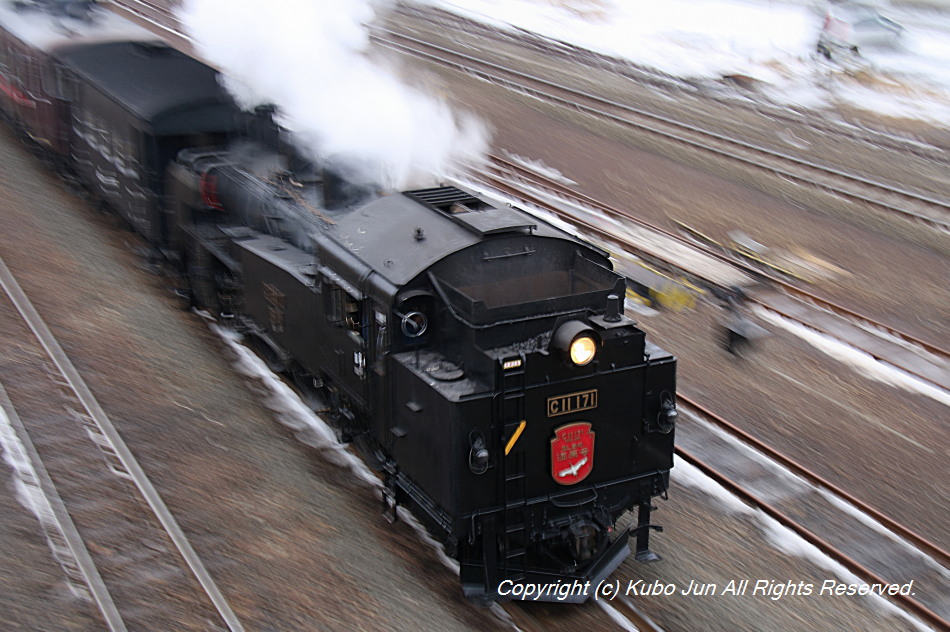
<point>311,59</point>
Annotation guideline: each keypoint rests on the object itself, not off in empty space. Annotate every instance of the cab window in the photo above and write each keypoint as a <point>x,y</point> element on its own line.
<point>343,309</point>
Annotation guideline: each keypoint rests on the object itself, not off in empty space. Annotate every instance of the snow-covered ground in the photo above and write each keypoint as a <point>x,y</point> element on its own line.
<point>772,41</point>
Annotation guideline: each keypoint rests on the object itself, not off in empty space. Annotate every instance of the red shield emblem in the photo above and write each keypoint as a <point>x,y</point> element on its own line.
<point>572,453</point>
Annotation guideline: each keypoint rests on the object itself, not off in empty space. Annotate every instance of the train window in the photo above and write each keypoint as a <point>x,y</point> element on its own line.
<point>352,317</point>
<point>332,303</point>
<point>52,81</point>
<point>343,309</point>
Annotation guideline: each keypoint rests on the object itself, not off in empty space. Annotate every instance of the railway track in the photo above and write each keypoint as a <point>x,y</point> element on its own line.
<point>537,190</point>
<point>929,210</point>
<point>925,209</point>
<point>930,149</point>
<point>157,16</point>
<point>618,610</point>
<point>875,548</point>
<point>162,16</point>
<point>860,555</point>
<point>117,541</point>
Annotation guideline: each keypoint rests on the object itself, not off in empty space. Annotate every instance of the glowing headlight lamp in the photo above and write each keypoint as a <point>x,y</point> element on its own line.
<point>577,341</point>
<point>583,350</point>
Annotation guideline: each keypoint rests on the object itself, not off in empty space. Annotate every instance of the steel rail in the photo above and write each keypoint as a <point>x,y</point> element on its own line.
<point>676,130</point>
<point>812,538</point>
<point>169,22</point>
<point>505,167</point>
<point>929,547</point>
<point>605,237</point>
<point>71,538</point>
<point>543,182</point>
<point>550,47</point>
<point>560,189</point>
<point>69,372</point>
<point>608,238</point>
<point>919,541</point>
<point>158,16</point>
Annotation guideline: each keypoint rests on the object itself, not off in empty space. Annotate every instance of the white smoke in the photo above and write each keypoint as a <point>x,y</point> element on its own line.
<point>311,58</point>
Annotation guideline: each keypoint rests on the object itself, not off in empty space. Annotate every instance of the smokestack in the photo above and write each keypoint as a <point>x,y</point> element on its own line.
<point>263,128</point>
<point>348,182</point>
<point>613,309</point>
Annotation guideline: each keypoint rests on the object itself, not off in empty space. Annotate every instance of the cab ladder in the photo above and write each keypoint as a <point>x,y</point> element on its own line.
<point>514,527</point>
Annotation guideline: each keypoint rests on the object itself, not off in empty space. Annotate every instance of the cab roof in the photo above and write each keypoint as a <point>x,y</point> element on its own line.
<point>403,235</point>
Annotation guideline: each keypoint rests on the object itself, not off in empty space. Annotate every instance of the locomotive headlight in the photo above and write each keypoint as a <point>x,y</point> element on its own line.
<point>583,350</point>
<point>577,341</point>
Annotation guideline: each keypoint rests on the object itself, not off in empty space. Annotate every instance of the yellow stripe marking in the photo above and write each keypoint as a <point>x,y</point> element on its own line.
<point>514,437</point>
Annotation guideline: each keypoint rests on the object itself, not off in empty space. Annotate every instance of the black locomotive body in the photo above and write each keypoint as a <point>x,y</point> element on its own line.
<point>441,330</point>
<point>477,356</point>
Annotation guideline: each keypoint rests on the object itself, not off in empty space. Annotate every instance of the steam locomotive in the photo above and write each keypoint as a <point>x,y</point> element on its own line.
<point>478,357</point>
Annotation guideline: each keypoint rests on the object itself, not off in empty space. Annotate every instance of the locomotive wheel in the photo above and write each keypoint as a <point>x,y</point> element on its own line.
<point>353,429</point>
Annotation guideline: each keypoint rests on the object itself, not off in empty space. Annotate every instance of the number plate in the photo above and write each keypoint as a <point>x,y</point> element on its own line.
<point>572,403</point>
